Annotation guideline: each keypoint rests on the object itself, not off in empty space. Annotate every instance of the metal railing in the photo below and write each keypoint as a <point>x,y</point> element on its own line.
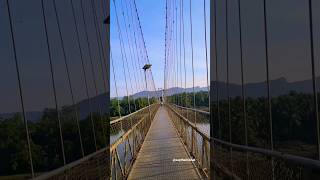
<point>195,140</point>
<point>132,130</point>
<point>245,162</point>
<point>199,118</point>
<point>123,124</point>
<point>93,166</point>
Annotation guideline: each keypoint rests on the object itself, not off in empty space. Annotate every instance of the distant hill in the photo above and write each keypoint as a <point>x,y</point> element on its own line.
<point>277,87</point>
<point>100,100</point>
<point>169,92</point>
<point>83,107</point>
<point>32,115</point>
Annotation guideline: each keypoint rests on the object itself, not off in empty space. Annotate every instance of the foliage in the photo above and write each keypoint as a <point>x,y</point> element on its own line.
<point>45,140</point>
<point>135,104</point>
<point>293,120</point>
<point>292,115</point>
<point>186,99</point>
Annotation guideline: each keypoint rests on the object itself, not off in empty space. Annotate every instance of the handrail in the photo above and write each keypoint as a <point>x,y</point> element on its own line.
<point>292,158</point>
<point>120,139</point>
<point>70,165</point>
<point>106,150</point>
<point>197,110</point>
<point>307,162</point>
<point>128,115</point>
<point>192,125</point>
<point>198,146</point>
<point>132,139</point>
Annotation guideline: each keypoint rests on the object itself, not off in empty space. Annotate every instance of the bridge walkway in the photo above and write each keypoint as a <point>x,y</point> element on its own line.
<point>161,146</point>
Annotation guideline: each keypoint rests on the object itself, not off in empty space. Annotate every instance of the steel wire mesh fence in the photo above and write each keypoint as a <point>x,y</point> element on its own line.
<point>243,162</point>
<point>196,141</point>
<point>125,148</point>
<point>93,166</point>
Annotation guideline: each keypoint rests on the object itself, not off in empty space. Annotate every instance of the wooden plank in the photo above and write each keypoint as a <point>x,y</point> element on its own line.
<point>161,146</point>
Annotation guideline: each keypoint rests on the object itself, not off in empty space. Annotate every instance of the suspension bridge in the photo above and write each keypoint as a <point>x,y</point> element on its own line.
<point>164,133</point>
<point>161,140</point>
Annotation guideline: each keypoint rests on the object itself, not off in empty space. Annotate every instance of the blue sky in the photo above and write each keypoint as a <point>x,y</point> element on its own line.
<point>152,18</point>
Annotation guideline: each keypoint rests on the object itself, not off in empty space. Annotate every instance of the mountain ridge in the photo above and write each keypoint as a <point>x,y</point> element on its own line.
<point>96,102</point>
<point>278,87</point>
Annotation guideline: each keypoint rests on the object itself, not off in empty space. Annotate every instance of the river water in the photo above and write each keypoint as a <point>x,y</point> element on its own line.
<point>204,127</point>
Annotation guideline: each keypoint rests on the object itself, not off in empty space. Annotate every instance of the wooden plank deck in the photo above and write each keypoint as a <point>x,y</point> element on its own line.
<point>161,146</point>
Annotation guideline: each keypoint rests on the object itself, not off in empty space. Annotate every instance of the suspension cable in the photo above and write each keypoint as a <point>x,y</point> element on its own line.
<point>20,88</point>
<point>100,46</point>
<point>130,55</point>
<point>242,85</point>
<point>310,14</point>
<point>136,45</point>
<point>268,81</point>
<point>104,15</point>
<point>191,38</point>
<point>184,56</point>
<point>171,50</point>
<point>81,57</point>
<point>174,52</point>
<point>228,82</point>
<point>134,50</point>
<point>206,47</point>
<point>68,75</point>
<point>165,53</point>
<point>227,62</point>
<point>92,68</point>
<point>115,84</point>
<point>123,55</point>
<point>102,57</point>
<point>176,49</point>
<point>144,43</point>
<point>53,81</point>
<point>180,53</point>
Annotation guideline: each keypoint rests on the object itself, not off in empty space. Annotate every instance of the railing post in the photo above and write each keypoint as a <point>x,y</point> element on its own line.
<point>192,141</point>
<point>125,157</point>
<point>202,155</point>
<point>112,165</point>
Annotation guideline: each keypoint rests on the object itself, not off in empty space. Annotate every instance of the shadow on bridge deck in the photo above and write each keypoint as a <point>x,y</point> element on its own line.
<point>161,146</point>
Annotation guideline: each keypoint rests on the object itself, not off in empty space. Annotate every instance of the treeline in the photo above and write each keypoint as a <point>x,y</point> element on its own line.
<point>186,99</point>
<point>45,140</point>
<point>135,104</point>
<point>294,127</point>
